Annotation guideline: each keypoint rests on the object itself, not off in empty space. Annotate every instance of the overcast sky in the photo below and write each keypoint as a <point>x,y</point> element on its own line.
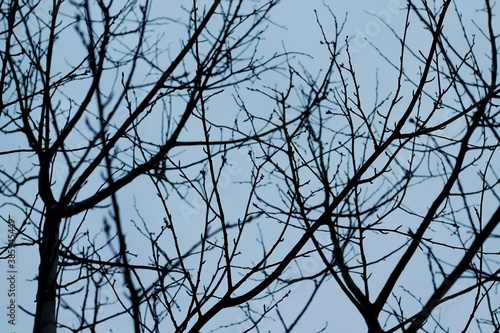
<point>296,29</point>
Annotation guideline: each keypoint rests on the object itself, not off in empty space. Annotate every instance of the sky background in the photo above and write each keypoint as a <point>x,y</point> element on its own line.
<point>294,28</point>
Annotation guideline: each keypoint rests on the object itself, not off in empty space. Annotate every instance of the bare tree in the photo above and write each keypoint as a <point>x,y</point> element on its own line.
<point>170,169</point>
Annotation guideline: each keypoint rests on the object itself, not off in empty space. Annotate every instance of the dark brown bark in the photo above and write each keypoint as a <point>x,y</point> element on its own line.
<point>46,298</point>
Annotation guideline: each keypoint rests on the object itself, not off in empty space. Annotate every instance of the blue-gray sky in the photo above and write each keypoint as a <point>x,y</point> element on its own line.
<point>294,28</point>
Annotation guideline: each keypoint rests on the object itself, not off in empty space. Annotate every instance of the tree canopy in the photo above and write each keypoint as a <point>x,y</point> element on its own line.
<point>177,167</point>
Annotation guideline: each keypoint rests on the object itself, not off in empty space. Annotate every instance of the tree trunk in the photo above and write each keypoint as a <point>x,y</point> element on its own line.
<point>45,316</point>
